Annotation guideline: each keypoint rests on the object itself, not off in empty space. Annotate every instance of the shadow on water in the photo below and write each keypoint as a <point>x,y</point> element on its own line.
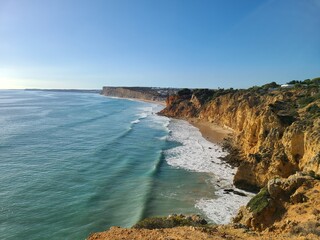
<point>175,190</point>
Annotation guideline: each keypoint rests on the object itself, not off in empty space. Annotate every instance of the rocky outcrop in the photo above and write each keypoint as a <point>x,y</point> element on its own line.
<point>284,205</point>
<point>276,132</point>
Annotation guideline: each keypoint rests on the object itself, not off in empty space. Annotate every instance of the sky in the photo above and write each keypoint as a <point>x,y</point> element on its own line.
<point>88,44</point>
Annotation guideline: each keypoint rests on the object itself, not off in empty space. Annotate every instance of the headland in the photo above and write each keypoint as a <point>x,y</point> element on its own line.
<point>149,94</point>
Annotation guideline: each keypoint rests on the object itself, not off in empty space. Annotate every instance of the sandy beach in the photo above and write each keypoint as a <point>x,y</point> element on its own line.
<point>210,131</point>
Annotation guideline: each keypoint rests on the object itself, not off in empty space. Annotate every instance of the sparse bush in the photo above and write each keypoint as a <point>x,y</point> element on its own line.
<point>184,92</point>
<point>313,109</point>
<point>204,95</point>
<point>170,222</point>
<point>294,82</point>
<point>307,81</point>
<point>221,91</point>
<point>316,96</point>
<point>307,228</point>
<point>270,85</point>
<point>254,88</point>
<point>304,101</point>
<point>316,80</point>
<point>311,173</point>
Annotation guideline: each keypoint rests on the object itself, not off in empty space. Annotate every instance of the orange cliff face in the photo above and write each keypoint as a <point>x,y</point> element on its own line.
<point>275,131</point>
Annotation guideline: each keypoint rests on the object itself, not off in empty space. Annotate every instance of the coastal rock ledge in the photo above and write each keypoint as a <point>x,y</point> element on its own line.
<point>181,227</point>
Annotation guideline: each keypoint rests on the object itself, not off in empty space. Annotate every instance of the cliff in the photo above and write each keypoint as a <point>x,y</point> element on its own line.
<point>142,93</point>
<point>276,146</point>
<point>276,131</point>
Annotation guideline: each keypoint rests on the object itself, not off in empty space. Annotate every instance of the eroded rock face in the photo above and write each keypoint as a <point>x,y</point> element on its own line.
<point>274,134</point>
<point>283,200</point>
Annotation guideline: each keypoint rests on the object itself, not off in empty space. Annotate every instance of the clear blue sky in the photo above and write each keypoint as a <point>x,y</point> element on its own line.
<point>176,43</point>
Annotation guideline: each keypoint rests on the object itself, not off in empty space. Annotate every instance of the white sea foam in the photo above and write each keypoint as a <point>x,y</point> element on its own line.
<point>154,120</point>
<point>143,113</point>
<point>195,152</point>
<point>198,154</point>
<point>164,138</point>
<point>224,207</point>
<point>135,121</point>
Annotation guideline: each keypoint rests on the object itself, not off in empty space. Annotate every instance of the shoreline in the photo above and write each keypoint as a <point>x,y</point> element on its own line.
<point>213,134</point>
<point>201,152</point>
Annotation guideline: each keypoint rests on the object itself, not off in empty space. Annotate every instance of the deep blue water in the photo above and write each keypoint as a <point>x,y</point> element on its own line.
<point>76,163</point>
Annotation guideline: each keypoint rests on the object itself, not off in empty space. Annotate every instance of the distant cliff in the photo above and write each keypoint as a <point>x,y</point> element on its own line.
<point>277,130</point>
<point>142,93</point>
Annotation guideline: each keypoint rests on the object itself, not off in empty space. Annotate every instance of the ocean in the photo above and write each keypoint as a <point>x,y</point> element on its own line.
<point>76,163</point>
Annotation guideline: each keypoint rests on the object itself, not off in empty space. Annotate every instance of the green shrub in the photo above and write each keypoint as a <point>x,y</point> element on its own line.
<point>260,201</point>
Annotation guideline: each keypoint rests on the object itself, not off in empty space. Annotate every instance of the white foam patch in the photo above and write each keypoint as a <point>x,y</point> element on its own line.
<point>143,115</point>
<point>164,138</point>
<point>155,121</point>
<point>135,121</point>
<point>222,209</point>
<point>198,154</point>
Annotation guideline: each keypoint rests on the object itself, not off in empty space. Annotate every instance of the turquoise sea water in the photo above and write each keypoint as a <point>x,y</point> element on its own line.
<point>76,163</point>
